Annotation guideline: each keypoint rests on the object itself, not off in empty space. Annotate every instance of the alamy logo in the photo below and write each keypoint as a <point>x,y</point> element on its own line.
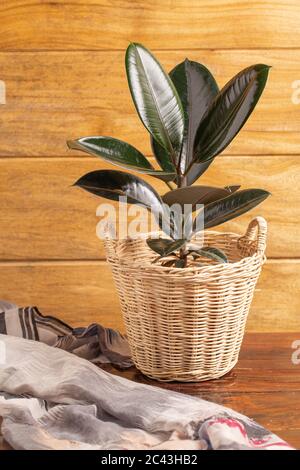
<point>296,354</point>
<point>2,92</point>
<point>175,221</point>
<point>2,353</point>
<point>296,92</point>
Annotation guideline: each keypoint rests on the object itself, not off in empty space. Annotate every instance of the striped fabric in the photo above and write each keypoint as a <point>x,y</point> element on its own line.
<point>50,399</point>
<point>95,343</point>
<point>77,405</point>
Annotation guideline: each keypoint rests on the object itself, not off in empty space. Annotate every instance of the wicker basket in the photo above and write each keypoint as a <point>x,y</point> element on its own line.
<point>187,324</point>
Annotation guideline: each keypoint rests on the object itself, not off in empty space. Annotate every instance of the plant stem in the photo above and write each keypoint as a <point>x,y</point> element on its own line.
<point>183,256</point>
<point>178,180</point>
<point>183,181</point>
<point>182,251</point>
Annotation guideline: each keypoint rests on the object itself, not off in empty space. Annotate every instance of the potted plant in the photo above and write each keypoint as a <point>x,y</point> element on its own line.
<point>184,302</point>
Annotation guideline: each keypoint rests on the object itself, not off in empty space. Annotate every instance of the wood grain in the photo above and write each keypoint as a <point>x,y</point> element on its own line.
<point>264,385</point>
<point>111,24</point>
<point>63,67</point>
<point>80,293</point>
<point>277,302</point>
<point>83,292</point>
<point>55,96</point>
<point>43,217</point>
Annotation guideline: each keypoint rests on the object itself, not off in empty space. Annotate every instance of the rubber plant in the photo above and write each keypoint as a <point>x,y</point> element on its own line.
<point>190,122</point>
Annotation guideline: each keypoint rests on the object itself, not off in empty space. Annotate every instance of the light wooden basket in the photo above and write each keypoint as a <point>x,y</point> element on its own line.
<point>187,324</point>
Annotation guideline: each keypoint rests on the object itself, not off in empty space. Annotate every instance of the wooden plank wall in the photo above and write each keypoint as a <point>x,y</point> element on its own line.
<point>63,66</point>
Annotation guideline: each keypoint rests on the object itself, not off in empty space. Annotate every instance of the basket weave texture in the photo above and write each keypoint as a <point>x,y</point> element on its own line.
<point>187,324</point>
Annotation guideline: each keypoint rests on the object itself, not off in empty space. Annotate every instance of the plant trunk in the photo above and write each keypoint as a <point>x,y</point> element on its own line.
<point>183,255</point>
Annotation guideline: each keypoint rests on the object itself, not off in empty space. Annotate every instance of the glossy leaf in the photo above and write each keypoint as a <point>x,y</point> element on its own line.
<point>164,246</point>
<point>229,111</point>
<point>195,195</point>
<point>232,206</point>
<point>155,98</point>
<point>112,184</point>
<point>162,156</point>
<point>119,153</point>
<point>196,88</point>
<point>210,252</point>
<point>179,263</point>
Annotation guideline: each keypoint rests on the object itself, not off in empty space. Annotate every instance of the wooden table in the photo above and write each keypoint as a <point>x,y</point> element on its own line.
<point>265,384</point>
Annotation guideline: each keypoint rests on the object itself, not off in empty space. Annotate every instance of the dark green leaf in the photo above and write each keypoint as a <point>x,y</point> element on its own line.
<point>164,246</point>
<point>210,252</point>
<point>112,184</point>
<point>229,111</point>
<point>155,98</point>
<point>196,88</point>
<point>112,150</point>
<point>232,206</point>
<point>180,263</point>
<point>194,195</point>
<point>162,156</point>
<point>119,153</point>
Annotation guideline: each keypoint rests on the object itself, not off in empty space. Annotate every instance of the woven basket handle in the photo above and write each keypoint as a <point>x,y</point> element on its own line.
<point>109,241</point>
<point>256,233</point>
